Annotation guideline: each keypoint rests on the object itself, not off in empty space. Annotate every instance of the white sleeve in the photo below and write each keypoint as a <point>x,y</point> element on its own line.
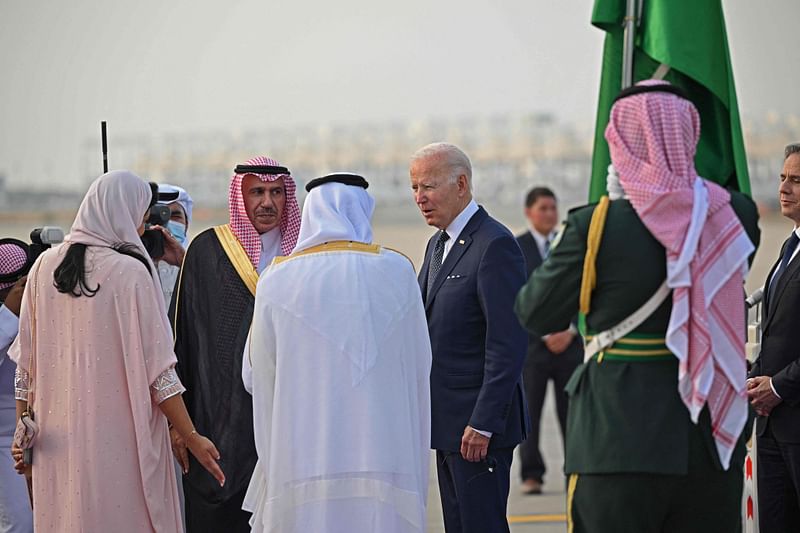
<point>775,392</point>
<point>247,367</point>
<point>9,327</point>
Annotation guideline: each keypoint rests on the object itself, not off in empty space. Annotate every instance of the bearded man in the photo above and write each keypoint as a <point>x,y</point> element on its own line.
<point>211,311</point>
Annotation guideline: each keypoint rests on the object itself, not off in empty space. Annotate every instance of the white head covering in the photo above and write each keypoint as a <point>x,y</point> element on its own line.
<point>111,213</point>
<point>335,212</point>
<point>183,198</point>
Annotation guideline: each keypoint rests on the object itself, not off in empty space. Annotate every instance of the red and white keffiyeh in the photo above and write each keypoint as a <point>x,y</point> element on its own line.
<point>12,259</point>
<point>652,139</point>
<point>242,227</point>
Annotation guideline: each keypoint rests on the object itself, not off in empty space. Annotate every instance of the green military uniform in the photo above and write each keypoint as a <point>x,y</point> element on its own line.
<point>633,454</point>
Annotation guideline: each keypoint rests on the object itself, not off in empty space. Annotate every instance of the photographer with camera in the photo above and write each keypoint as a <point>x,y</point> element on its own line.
<point>176,239</point>
<point>15,507</point>
<point>171,216</point>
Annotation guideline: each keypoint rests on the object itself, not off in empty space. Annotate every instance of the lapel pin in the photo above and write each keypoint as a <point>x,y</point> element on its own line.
<point>460,241</point>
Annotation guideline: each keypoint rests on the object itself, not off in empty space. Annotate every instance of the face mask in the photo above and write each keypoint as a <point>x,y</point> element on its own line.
<point>178,231</point>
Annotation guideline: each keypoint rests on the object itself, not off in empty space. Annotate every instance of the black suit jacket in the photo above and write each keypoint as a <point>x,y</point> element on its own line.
<point>780,355</point>
<point>537,350</point>
<point>478,344</point>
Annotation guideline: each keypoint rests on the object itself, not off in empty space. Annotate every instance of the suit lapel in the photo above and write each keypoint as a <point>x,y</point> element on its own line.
<point>768,307</point>
<point>455,254</point>
<point>531,252</point>
<point>766,311</point>
<point>787,275</point>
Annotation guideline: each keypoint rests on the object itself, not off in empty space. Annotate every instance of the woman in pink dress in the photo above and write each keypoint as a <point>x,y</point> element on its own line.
<point>95,361</point>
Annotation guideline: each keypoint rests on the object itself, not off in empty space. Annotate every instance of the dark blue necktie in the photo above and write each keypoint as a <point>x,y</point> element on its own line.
<point>788,250</point>
<point>436,259</point>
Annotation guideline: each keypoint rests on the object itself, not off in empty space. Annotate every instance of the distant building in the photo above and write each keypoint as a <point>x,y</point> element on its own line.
<point>510,152</point>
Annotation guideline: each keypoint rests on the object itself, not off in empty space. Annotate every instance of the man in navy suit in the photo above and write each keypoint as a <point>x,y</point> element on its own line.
<point>774,384</point>
<point>552,357</point>
<point>472,272</point>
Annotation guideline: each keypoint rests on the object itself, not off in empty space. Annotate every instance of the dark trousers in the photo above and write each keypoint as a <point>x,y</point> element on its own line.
<point>539,369</point>
<point>705,500</point>
<point>778,484</point>
<point>203,517</point>
<point>474,495</point>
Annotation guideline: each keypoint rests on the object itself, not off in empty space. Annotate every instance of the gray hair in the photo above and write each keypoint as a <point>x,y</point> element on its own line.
<point>451,156</point>
<point>790,149</point>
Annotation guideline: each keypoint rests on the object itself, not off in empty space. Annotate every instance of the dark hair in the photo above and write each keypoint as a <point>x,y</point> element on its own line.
<point>70,275</point>
<point>536,193</point>
<point>153,194</point>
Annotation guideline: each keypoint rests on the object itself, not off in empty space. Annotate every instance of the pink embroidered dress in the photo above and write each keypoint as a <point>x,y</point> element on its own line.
<point>95,369</point>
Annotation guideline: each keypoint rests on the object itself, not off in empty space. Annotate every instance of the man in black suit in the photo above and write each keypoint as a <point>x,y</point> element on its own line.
<point>472,272</point>
<point>552,357</point>
<point>774,384</point>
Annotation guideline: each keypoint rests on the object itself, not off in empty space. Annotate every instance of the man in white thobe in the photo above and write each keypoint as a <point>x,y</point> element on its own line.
<point>178,227</point>
<point>338,362</point>
<point>15,505</point>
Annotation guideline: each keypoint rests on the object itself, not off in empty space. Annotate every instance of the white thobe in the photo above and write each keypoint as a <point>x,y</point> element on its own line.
<point>270,248</point>
<point>15,507</point>
<point>340,359</point>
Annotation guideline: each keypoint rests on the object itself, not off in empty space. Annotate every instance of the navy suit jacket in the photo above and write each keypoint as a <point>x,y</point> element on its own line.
<point>478,344</point>
<point>779,356</point>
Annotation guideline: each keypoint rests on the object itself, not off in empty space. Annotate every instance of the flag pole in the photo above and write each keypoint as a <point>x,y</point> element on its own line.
<point>104,143</point>
<point>629,24</point>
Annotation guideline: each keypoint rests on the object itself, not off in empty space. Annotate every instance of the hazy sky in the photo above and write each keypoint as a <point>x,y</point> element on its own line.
<point>179,65</point>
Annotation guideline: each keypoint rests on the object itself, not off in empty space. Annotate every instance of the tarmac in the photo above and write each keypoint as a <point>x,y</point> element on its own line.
<point>544,513</point>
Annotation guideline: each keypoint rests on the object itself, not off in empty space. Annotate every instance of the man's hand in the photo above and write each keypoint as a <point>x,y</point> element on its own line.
<point>558,342</point>
<point>474,446</point>
<point>173,251</point>
<point>14,299</point>
<point>179,449</point>
<point>759,392</point>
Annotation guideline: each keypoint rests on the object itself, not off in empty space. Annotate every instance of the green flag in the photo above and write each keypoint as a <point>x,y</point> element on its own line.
<point>689,36</point>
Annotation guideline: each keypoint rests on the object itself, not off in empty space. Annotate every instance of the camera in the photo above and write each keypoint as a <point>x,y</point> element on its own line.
<point>158,215</point>
<point>41,239</point>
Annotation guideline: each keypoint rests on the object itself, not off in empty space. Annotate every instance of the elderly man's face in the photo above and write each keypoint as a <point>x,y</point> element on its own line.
<point>439,199</point>
<point>789,189</point>
<point>264,202</point>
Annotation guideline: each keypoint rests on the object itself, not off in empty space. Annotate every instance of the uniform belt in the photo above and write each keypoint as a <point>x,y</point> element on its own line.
<point>635,347</point>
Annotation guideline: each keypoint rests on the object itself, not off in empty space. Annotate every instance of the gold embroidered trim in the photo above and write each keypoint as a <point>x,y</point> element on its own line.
<point>238,257</point>
<point>332,246</point>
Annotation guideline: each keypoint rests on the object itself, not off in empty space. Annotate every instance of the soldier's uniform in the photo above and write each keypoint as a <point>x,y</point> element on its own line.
<point>633,455</point>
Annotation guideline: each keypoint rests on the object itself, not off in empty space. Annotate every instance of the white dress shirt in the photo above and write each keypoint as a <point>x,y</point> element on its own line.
<point>457,226</point>
<point>543,242</point>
